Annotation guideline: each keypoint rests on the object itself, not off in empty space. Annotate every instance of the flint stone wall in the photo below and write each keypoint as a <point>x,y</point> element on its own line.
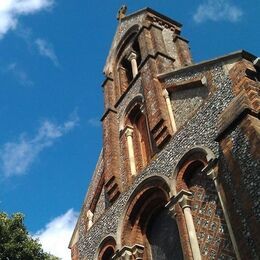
<point>249,183</point>
<point>200,130</point>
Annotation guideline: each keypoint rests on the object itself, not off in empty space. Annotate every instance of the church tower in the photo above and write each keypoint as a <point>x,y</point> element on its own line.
<point>137,123</point>
<point>178,175</point>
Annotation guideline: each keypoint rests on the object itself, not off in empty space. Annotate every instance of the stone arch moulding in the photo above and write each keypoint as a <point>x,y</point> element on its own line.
<point>107,248</point>
<point>144,216</point>
<point>126,39</point>
<point>197,151</point>
<point>138,99</point>
<point>134,194</point>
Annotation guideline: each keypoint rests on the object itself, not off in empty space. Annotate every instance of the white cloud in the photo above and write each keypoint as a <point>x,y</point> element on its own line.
<point>10,10</point>
<point>17,157</point>
<point>45,49</point>
<point>19,74</point>
<point>217,10</point>
<point>95,122</point>
<point>56,235</point>
<point>42,46</point>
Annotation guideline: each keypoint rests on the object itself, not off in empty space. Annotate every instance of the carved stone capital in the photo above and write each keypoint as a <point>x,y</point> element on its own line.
<point>129,253</point>
<point>213,174</point>
<point>210,169</point>
<point>132,56</point>
<point>129,131</point>
<point>182,198</point>
<point>166,94</point>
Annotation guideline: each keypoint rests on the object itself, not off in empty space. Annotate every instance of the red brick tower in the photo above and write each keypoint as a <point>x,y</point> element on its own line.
<point>135,131</point>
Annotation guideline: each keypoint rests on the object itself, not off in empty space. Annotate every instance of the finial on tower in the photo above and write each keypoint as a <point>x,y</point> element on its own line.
<point>121,13</point>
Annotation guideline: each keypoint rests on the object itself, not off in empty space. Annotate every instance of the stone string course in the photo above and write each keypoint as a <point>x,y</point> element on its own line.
<point>200,130</point>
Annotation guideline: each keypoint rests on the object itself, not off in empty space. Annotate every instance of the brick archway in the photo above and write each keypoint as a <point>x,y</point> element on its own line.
<point>135,139</point>
<point>107,248</point>
<point>211,229</point>
<point>145,206</point>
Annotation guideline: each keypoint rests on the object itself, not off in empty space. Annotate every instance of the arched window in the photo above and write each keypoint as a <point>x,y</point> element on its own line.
<point>107,249</point>
<point>107,255</point>
<point>148,223</point>
<point>163,236</point>
<point>140,142</point>
<point>211,230</point>
<point>128,59</point>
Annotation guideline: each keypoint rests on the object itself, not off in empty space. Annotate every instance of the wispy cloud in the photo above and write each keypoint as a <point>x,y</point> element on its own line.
<point>217,10</point>
<point>19,74</point>
<point>11,10</point>
<point>95,122</point>
<point>56,235</point>
<point>24,33</point>
<point>17,157</point>
<point>42,46</point>
<point>46,49</point>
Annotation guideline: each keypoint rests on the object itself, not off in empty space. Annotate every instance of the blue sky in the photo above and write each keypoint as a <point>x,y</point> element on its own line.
<point>51,62</point>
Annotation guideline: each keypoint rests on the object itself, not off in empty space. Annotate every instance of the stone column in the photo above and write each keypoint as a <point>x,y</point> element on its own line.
<point>169,107</point>
<point>130,145</point>
<point>132,58</point>
<point>191,228</point>
<point>183,199</point>
<point>213,174</point>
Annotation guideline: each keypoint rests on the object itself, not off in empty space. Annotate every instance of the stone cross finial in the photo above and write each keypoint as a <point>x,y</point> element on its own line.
<point>121,12</point>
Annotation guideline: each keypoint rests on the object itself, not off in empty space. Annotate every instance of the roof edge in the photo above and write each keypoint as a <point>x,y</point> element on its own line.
<point>234,55</point>
<point>150,10</point>
<point>85,198</point>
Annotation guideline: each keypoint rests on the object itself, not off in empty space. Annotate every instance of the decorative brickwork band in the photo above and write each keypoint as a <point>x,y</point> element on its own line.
<point>130,253</point>
<point>183,199</point>
<point>213,174</point>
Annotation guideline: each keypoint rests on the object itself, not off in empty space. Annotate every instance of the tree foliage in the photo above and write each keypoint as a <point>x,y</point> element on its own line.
<point>15,241</point>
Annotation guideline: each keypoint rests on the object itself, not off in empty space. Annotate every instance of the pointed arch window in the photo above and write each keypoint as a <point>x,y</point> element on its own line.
<point>129,58</point>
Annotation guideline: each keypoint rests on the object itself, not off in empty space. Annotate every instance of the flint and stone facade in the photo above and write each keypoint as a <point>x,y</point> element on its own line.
<point>179,173</point>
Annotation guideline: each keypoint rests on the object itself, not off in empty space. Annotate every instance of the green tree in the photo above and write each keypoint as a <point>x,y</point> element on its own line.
<point>15,241</point>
